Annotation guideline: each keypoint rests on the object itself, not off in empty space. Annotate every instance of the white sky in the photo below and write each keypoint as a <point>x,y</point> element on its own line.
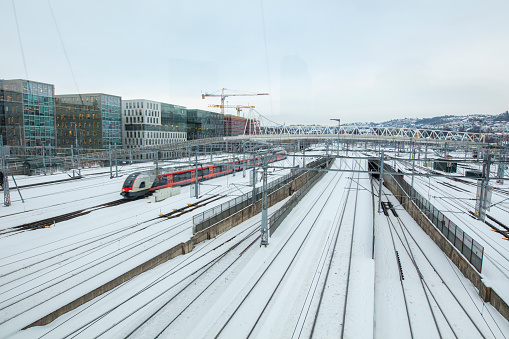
<point>354,60</point>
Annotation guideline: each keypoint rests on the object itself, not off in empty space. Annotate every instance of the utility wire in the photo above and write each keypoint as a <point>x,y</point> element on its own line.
<point>65,51</point>
<point>19,37</point>
<point>266,55</point>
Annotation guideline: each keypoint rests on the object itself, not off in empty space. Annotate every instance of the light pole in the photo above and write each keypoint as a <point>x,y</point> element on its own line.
<point>339,128</point>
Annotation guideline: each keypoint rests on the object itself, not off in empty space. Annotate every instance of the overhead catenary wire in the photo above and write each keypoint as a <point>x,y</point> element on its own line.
<point>266,53</point>
<point>65,51</point>
<point>19,38</point>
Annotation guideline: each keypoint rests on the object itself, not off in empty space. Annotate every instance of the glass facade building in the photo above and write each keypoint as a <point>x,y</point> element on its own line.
<point>111,120</point>
<point>204,124</point>
<point>78,125</point>
<point>174,117</point>
<point>108,107</point>
<point>27,113</point>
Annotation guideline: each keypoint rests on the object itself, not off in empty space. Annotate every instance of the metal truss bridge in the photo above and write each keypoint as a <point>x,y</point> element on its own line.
<point>384,132</point>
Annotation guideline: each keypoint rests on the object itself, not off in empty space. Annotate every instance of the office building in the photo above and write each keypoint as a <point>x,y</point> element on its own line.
<point>152,123</point>
<point>27,113</point>
<point>78,125</point>
<point>204,124</point>
<point>105,113</point>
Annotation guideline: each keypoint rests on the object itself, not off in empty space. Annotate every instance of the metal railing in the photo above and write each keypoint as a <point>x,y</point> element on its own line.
<point>277,217</point>
<point>215,214</point>
<point>465,244</point>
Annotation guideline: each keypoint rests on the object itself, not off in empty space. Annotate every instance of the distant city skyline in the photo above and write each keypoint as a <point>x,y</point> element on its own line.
<point>318,60</point>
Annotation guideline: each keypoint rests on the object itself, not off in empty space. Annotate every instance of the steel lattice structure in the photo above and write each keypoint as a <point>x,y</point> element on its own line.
<point>390,132</point>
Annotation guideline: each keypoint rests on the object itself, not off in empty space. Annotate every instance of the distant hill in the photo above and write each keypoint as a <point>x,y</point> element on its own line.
<point>469,123</point>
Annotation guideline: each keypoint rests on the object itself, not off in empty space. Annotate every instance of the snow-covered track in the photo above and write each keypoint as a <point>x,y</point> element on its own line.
<point>257,293</point>
<point>440,301</point>
<point>40,281</point>
<point>59,218</point>
<point>185,282</point>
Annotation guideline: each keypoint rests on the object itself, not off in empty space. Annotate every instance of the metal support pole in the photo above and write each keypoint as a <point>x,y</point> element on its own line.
<point>78,156</point>
<point>196,175</point>
<point>244,161</point>
<point>264,229</point>
<point>44,160</point>
<point>339,131</point>
<point>254,180</point>
<point>483,203</point>
<point>116,163</point>
<point>380,182</point>
<point>72,160</point>
<point>17,187</point>
<point>5,184</point>
<point>501,169</point>
<point>111,169</point>
<point>413,170</point>
<point>294,156</point>
<point>233,162</point>
<point>157,163</point>
<point>426,153</point>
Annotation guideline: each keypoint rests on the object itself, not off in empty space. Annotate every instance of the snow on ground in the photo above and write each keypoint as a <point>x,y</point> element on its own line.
<point>456,200</point>
<point>75,256</point>
<point>229,285</point>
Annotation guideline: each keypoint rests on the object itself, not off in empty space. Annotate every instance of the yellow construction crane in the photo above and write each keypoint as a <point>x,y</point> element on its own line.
<point>223,95</point>
<point>237,107</point>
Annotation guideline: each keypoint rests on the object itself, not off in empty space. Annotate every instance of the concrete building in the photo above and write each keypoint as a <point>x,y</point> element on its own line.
<point>96,111</point>
<point>27,113</point>
<point>235,125</point>
<point>151,123</point>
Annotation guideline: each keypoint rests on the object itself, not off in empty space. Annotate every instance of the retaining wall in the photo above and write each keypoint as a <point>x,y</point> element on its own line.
<point>486,293</point>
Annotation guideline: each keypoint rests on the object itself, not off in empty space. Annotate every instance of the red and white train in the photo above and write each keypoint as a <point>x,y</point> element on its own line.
<point>139,183</point>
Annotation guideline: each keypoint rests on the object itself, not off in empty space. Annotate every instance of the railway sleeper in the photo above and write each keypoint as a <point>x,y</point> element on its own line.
<point>401,275</point>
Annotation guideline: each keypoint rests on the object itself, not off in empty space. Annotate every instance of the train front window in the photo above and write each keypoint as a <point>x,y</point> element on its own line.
<point>128,183</point>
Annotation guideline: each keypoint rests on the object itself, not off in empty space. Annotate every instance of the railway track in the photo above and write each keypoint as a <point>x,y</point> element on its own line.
<point>445,301</point>
<point>171,285</point>
<point>332,247</point>
<point>46,275</point>
<point>45,183</point>
<point>79,250</point>
<point>48,222</point>
<point>446,298</point>
<point>252,297</point>
<point>500,252</point>
<point>180,296</point>
<point>401,248</point>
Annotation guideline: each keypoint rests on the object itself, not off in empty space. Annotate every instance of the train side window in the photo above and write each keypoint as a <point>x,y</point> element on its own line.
<point>142,185</point>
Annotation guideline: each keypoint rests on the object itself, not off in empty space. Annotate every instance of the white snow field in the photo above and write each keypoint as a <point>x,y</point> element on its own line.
<point>334,268</point>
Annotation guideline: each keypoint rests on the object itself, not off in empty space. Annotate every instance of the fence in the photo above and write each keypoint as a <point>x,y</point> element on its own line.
<point>277,217</point>
<point>213,215</point>
<point>470,248</point>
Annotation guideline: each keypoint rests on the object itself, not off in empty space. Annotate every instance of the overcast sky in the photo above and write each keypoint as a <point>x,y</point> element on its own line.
<point>354,60</point>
